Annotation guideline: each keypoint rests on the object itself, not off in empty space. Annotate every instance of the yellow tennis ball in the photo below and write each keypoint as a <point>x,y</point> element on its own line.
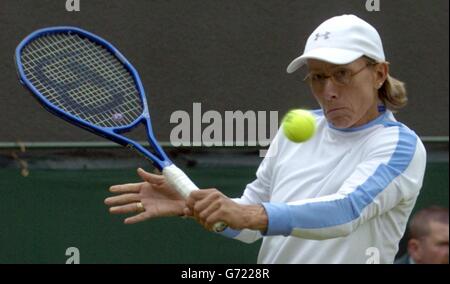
<point>299,125</point>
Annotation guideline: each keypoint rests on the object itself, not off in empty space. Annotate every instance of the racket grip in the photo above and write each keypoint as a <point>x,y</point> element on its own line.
<point>179,180</point>
<point>184,185</point>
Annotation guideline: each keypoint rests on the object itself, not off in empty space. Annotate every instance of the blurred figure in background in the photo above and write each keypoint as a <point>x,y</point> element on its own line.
<point>428,237</point>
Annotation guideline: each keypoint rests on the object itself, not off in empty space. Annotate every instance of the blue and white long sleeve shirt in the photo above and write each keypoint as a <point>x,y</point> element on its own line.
<point>344,196</point>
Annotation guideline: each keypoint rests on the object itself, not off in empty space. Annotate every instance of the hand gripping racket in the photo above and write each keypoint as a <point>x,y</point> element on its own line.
<point>83,79</point>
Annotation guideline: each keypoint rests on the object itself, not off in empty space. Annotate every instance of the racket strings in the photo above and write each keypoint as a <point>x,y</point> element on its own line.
<point>82,78</point>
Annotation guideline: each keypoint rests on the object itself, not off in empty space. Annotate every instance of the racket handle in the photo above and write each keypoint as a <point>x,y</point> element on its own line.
<point>219,227</point>
<point>179,180</point>
<point>183,184</point>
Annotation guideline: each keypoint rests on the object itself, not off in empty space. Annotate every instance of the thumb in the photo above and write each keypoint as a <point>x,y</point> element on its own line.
<point>187,212</point>
<point>151,178</point>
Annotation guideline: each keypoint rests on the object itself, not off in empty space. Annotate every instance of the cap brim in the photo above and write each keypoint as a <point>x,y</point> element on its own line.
<point>330,55</point>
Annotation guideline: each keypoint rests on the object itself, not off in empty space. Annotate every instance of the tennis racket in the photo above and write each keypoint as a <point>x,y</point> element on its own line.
<point>83,79</point>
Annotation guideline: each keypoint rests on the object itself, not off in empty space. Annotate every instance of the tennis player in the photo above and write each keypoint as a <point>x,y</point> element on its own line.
<point>345,195</point>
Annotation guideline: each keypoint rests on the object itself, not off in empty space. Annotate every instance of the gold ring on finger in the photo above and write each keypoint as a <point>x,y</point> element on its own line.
<point>140,207</point>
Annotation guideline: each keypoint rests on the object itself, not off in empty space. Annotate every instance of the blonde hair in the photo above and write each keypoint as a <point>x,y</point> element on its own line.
<point>392,93</point>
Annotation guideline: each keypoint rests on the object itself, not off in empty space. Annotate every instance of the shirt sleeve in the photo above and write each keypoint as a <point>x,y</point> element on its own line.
<point>390,173</point>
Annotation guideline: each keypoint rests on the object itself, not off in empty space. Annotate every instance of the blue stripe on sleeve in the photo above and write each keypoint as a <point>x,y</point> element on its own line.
<point>282,219</point>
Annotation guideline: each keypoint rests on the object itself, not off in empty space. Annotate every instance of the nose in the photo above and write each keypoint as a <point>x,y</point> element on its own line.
<point>330,90</point>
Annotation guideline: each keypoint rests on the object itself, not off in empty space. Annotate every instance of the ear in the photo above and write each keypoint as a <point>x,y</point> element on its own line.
<point>414,249</point>
<point>381,74</point>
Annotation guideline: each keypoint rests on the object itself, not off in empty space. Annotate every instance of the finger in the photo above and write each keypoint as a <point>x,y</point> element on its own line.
<point>122,199</point>
<point>190,203</point>
<point>200,194</point>
<point>196,196</point>
<point>207,201</point>
<point>209,210</point>
<point>125,188</point>
<point>137,218</point>
<point>198,210</point>
<point>187,212</point>
<point>124,209</point>
<point>151,178</point>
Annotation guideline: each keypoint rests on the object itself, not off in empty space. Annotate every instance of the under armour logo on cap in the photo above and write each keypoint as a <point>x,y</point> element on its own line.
<point>326,35</point>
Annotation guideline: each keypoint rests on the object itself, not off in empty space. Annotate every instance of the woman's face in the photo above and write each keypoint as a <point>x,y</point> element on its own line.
<point>349,98</point>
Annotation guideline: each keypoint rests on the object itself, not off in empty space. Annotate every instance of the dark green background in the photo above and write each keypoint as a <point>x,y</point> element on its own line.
<point>44,214</point>
<point>50,210</point>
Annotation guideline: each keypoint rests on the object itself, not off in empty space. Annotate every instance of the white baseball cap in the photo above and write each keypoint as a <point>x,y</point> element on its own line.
<point>341,40</point>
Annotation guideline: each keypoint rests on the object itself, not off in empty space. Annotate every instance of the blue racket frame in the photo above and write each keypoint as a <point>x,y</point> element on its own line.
<point>111,133</point>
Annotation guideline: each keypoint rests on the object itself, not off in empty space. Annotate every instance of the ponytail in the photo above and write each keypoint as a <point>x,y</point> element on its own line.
<point>393,94</point>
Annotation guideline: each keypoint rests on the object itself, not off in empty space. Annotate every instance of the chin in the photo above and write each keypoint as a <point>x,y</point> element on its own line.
<point>341,121</point>
<point>342,124</point>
